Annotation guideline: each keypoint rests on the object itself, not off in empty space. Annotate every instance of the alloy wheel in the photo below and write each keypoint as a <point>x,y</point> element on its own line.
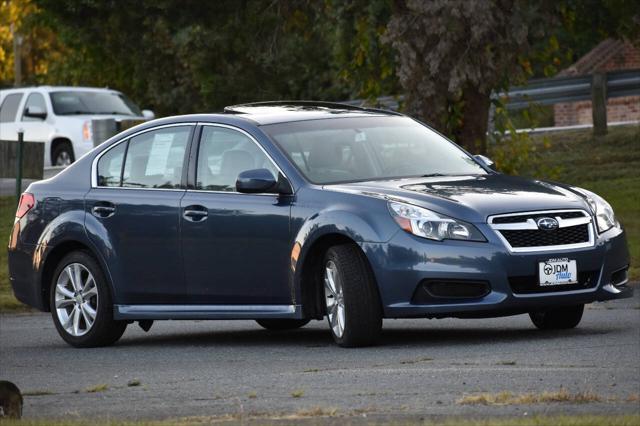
<point>63,159</point>
<point>76,299</point>
<point>334,298</point>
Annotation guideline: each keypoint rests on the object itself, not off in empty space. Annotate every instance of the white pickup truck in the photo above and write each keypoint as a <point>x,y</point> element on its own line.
<point>60,117</point>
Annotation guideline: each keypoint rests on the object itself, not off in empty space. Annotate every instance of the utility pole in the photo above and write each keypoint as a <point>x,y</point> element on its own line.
<point>17,57</point>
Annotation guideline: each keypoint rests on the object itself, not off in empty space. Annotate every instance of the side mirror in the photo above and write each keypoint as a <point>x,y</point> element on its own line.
<point>485,160</point>
<point>35,112</point>
<point>148,114</point>
<point>256,181</point>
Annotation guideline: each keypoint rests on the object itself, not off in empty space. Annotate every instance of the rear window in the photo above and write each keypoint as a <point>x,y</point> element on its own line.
<point>155,159</point>
<point>9,107</point>
<point>110,166</point>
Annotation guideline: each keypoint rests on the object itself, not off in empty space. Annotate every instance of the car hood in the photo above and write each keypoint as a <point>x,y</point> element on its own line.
<point>471,198</point>
<point>85,117</point>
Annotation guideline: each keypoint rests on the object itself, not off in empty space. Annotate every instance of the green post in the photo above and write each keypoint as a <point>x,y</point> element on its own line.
<point>19,165</point>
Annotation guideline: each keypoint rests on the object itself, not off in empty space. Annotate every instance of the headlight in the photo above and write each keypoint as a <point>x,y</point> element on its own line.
<point>427,224</point>
<point>605,218</point>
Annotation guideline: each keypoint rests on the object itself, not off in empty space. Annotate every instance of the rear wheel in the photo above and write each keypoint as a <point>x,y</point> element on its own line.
<point>81,304</point>
<point>558,318</point>
<point>62,154</point>
<point>353,306</point>
<point>282,324</point>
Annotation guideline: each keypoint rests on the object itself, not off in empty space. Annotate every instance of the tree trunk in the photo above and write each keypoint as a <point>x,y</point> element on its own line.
<point>472,135</point>
<point>430,111</point>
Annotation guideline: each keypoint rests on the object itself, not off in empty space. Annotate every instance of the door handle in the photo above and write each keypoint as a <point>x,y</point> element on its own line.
<point>103,209</point>
<point>195,213</point>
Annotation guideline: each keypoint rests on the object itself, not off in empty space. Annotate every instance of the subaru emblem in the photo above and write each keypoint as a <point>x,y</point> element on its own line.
<point>547,223</point>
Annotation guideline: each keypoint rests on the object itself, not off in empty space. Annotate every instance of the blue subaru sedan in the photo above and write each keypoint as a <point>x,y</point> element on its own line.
<point>284,212</point>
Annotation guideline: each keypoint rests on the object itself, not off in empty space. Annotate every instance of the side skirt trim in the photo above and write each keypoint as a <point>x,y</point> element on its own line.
<point>188,312</point>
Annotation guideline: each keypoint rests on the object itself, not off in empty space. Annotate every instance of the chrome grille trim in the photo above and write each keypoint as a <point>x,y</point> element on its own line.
<point>531,225</point>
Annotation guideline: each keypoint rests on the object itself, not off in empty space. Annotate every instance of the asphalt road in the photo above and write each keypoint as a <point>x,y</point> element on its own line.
<point>8,185</point>
<point>421,368</point>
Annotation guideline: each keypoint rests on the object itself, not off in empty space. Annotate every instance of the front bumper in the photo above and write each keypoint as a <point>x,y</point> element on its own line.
<point>405,262</point>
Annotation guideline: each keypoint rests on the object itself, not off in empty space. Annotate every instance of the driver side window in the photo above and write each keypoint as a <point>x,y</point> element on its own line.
<point>35,101</point>
<point>224,154</point>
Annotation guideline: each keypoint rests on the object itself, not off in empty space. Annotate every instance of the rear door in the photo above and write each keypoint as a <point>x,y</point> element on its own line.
<point>236,246</point>
<point>133,214</point>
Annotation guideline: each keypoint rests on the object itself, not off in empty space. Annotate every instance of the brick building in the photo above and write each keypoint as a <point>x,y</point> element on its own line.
<point>609,55</point>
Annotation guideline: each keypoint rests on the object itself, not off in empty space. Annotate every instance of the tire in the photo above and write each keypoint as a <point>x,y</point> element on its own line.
<point>282,324</point>
<point>62,154</point>
<point>558,319</point>
<point>86,309</point>
<point>354,311</point>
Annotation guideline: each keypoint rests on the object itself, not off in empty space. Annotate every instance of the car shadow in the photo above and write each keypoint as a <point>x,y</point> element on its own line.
<point>390,338</point>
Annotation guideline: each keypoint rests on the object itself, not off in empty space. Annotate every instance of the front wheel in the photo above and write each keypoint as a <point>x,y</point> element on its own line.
<point>353,305</point>
<point>62,154</point>
<point>558,318</point>
<point>81,303</point>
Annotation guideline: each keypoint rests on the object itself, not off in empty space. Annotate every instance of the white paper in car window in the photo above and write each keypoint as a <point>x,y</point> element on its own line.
<point>360,137</point>
<point>159,154</point>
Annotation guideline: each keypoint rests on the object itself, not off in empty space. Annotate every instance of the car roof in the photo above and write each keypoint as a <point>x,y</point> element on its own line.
<point>287,111</point>
<point>56,88</point>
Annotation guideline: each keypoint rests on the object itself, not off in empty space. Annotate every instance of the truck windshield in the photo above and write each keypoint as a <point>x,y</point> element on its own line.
<point>369,148</point>
<point>78,102</point>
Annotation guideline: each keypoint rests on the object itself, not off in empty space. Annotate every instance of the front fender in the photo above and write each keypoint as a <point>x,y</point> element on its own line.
<point>319,214</point>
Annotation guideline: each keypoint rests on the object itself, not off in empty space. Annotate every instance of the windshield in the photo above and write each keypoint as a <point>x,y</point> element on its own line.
<point>77,102</point>
<point>371,148</point>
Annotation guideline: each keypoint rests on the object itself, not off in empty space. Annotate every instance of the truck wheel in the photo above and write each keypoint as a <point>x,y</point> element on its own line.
<point>62,154</point>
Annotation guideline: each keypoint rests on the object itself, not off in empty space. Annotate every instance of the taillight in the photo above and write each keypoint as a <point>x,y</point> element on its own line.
<point>27,201</point>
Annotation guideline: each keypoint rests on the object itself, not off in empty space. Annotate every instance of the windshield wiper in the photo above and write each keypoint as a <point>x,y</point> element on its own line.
<point>434,175</point>
<point>78,112</point>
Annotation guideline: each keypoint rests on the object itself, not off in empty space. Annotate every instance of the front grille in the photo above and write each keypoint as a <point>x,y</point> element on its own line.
<point>521,232</point>
<point>538,238</point>
<point>529,284</point>
<point>534,216</point>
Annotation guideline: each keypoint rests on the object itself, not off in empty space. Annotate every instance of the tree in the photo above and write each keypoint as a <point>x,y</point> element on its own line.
<point>193,56</point>
<point>451,55</point>
<point>38,45</point>
<point>365,63</point>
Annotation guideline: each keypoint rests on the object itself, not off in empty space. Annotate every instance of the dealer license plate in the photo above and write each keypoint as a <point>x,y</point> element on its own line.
<point>558,272</point>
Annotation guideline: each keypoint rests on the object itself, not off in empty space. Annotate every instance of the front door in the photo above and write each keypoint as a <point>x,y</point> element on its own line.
<point>236,247</point>
<point>133,215</point>
<point>36,129</point>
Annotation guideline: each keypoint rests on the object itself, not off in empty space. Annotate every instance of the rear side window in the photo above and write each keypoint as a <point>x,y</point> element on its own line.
<point>34,100</point>
<point>110,166</point>
<point>9,107</point>
<point>155,159</point>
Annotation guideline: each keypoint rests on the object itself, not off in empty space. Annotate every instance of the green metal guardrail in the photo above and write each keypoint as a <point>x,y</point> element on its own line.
<point>548,91</point>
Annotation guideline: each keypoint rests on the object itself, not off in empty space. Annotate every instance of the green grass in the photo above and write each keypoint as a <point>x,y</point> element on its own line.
<point>609,166</point>
<point>318,416</point>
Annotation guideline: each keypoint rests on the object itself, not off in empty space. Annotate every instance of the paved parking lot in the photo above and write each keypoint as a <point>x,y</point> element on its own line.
<point>421,368</point>
<point>8,186</point>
